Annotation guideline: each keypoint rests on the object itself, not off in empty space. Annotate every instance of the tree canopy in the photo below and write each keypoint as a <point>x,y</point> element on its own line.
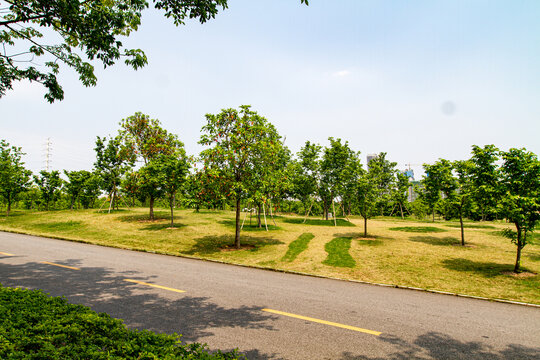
<point>83,32</point>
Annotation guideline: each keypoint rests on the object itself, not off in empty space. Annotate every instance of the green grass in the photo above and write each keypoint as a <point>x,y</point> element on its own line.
<point>297,246</point>
<point>338,253</point>
<point>418,229</point>
<point>418,254</point>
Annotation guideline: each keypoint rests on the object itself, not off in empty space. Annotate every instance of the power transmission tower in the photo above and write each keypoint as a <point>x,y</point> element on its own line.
<point>48,155</point>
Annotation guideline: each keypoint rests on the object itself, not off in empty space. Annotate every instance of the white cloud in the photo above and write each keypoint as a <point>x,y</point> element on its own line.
<point>342,73</point>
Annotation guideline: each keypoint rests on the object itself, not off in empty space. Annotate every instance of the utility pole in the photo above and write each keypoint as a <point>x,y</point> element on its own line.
<point>48,154</point>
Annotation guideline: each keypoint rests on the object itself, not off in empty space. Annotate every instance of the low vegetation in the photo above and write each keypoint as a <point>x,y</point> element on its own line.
<point>297,246</point>
<point>36,326</point>
<point>338,253</point>
<point>430,260</point>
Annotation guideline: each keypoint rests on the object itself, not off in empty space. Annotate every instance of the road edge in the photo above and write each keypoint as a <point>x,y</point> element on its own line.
<point>281,270</point>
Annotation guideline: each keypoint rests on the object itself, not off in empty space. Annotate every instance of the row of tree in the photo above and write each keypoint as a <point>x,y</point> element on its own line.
<point>246,164</point>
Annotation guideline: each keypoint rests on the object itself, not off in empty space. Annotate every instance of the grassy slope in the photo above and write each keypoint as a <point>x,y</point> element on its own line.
<point>425,259</point>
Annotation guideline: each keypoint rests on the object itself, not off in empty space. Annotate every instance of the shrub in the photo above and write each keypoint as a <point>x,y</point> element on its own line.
<point>36,326</point>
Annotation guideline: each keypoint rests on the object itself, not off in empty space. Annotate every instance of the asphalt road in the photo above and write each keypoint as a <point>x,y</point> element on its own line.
<point>269,315</point>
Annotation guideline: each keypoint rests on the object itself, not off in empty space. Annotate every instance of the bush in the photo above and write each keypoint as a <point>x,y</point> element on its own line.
<point>36,326</point>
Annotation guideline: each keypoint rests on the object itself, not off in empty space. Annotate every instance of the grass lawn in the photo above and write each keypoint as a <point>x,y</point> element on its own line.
<point>402,252</point>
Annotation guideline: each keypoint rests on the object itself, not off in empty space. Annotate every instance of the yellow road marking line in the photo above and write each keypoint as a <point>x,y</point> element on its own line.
<point>60,265</point>
<point>6,254</point>
<point>154,285</point>
<point>354,328</point>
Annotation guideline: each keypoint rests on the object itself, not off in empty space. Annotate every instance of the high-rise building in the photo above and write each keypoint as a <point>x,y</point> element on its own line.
<point>370,157</point>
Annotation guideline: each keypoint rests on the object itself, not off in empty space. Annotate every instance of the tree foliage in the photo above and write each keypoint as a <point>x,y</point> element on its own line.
<point>49,184</point>
<point>112,162</point>
<point>243,148</point>
<point>521,195</point>
<point>145,139</point>
<point>77,34</point>
<point>14,178</point>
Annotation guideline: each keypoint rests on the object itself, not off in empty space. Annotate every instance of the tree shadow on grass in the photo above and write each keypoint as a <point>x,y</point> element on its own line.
<point>59,225</point>
<point>434,345</point>
<point>217,243</point>
<point>433,240</point>
<point>158,216</point>
<point>231,224</point>
<point>369,240</point>
<point>163,226</point>
<point>319,222</point>
<point>486,269</point>
<point>105,290</point>
<point>534,257</point>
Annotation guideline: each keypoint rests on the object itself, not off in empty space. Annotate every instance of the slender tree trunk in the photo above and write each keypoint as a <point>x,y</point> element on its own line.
<point>433,214</point>
<point>172,211</point>
<point>307,214</point>
<point>237,233</point>
<point>365,226</point>
<point>518,255</point>
<point>8,208</point>
<point>461,224</point>
<point>325,215</point>
<point>151,207</point>
<point>365,220</point>
<point>259,224</point>
<point>401,209</point>
<point>334,214</point>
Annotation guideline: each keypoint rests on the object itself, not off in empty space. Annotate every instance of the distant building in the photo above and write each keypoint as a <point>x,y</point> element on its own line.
<point>370,157</point>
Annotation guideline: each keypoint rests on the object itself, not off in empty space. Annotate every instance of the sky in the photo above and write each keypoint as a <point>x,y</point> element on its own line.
<point>419,80</point>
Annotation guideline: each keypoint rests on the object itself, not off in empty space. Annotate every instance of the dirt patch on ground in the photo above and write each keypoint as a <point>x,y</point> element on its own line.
<point>233,248</point>
<point>521,275</point>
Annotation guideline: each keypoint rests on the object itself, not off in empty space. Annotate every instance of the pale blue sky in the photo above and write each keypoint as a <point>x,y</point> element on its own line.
<point>375,73</point>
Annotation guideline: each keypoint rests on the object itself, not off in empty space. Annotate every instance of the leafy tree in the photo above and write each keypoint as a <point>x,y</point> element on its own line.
<point>14,178</point>
<point>521,195</point>
<point>92,28</point>
<point>438,180</point>
<point>305,174</point>
<point>49,184</point>
<point>334,162</point>
<point>145,139</point>
<point>173,172</point>
<point>461,197</point>
<point>237,139</point>
<point>485,178</point>
<point>270,173</point>
<point>382,173</point>
<point>74,187</point>
<point>112,162</point>
<point>90,190</point>
<point>367,196</point>
<point>401,190</point>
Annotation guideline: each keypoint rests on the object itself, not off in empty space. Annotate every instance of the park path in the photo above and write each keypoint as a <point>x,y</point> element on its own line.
<point>269,315</point>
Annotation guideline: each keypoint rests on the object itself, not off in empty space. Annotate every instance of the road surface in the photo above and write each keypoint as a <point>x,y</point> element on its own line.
<point>269,315</point>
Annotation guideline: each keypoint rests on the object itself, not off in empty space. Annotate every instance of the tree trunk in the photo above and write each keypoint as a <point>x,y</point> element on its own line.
<point>462,230</point>
<point>401,209</point>
<point>259,224</point>
<point>433,214</point>
<point>518,255</point>
<point>151,207</point>
<point>8,208</point>
<point>172,211</point>
<point>325,215</point>
<point>365,226</point>
<point>237,233</point>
